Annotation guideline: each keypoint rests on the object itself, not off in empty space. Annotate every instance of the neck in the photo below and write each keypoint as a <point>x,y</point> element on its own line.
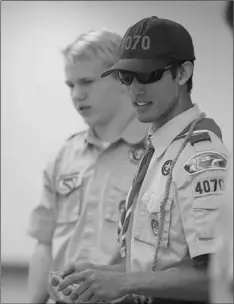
<point>183,103</point>
<point>111,131</point>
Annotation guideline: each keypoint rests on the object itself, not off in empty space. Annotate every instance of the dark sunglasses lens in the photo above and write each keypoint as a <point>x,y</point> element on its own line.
<point>144,77</point>
<point>126,77</point>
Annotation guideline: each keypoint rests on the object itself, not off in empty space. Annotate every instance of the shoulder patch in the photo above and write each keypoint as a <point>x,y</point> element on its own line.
<point>195,138</point>
<point>205,161</point>
<point>206,125</point>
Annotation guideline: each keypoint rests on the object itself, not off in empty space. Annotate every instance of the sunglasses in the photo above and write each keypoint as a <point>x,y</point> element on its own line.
<point>145,78</point>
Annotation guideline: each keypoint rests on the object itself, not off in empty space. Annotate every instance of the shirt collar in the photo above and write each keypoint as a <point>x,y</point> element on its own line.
<point>164,136</point>
<point>134,133</point>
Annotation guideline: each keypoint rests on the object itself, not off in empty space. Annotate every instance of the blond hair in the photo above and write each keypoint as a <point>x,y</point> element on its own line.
<point>102,44</point>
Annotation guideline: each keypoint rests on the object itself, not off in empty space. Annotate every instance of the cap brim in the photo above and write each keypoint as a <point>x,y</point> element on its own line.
<point>137,65</point>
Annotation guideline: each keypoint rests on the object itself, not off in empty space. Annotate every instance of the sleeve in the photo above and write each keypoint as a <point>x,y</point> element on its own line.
<point>199,178</point>
<point>42,219</point>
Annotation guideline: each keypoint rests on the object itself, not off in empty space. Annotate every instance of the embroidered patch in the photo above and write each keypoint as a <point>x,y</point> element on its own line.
<point>122,206</point>
<point>136,153</point>
<point>167,167</point>
<point>208,186</point>
<point>68,183</point>
<point>205,161</point>
<point>155,227</point>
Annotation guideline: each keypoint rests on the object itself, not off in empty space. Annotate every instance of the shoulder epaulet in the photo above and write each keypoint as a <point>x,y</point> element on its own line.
<point>72,136</point>
<point>76,134</point>
<point>201,131</point>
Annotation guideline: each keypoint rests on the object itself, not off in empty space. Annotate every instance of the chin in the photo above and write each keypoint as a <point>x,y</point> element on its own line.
<point>145,119</point>
<point>89,121</point>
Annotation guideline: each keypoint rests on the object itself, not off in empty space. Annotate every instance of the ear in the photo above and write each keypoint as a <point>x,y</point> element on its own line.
<point>184,72</point>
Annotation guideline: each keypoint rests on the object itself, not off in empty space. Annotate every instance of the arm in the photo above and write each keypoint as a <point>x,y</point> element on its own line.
<point>38,273</point>
<point>41,228</point>
<point>178,284</point>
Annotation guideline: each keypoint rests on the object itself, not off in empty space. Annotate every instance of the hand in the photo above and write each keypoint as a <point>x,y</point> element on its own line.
<point>57,277</point>
<point>95,285</point>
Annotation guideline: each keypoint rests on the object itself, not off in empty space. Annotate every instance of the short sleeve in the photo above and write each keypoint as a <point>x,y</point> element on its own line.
<point>200,178</point>
<point>42,219</point>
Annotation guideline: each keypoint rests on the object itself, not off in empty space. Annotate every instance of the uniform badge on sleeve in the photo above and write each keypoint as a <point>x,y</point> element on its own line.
<point>167,167</point>
<point>208,186</point>
<point>155,227</point>
<point>136,153</point>
<point>205,161</point>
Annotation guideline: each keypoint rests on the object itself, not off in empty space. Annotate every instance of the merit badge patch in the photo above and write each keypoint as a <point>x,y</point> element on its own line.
<point>167,167</point>
<point>67,183</point>
<point>205,161</point>
<point>208,186</point>
<point>155,227</point>
<point>136,153</point>
<point>122,206</point>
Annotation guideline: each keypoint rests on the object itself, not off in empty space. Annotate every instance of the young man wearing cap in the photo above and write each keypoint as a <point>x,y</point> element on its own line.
<point>87,183</point>
<point>166,231</point>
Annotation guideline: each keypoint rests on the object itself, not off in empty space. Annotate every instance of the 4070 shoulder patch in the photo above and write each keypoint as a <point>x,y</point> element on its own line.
<point>208,186</point>
<point>205,161</point>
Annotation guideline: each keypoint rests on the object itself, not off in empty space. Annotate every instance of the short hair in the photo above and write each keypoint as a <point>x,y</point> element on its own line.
<point>174,68</point>
<point>102,44</point>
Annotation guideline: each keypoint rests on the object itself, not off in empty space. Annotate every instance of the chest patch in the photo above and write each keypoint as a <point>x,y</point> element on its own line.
<point>68,183</point>
<point>136,153</point>
<point>167,167</point>
<point>155,226</point>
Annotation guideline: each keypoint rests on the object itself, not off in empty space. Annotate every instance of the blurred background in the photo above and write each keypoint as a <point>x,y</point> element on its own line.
<point>37,114</point>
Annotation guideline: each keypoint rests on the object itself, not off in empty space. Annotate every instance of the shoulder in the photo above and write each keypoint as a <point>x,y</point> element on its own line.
<point>204,152</point>
<point>73,144</point>
<point>77,136</point>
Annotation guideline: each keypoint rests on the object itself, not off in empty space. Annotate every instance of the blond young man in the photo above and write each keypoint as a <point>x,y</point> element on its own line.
<point>87,183</point>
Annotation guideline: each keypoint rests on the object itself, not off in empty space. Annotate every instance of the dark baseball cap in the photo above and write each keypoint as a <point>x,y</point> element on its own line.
<point>151,44</point>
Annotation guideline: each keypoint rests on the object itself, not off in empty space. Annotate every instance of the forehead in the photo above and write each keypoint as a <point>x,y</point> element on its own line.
<point>84,69</point>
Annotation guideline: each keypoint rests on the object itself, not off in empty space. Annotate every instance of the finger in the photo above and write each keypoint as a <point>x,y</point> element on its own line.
<point>75,278</point>
<point>54,281</point>
<point>86,296</point>
<point>67,291</point>
<point>80,290</point>
<point>69,270</point>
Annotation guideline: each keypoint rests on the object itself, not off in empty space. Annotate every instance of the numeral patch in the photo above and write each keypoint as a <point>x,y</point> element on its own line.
<point>208,186</point>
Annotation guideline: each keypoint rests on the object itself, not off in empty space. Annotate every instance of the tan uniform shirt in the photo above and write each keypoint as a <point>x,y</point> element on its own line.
<point>194,199</point>
<point>84,192</point>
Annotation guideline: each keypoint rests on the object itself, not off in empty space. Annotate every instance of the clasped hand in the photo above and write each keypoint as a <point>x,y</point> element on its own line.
<point>94,285</point>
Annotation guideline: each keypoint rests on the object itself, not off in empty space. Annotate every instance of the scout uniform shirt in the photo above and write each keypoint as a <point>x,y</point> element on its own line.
<point>194,198</point>
<point>84,194</point>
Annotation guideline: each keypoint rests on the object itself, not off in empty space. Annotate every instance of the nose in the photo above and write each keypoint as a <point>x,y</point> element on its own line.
<point>136,87</point>
<point>136,90</point>
<point>78,94</point>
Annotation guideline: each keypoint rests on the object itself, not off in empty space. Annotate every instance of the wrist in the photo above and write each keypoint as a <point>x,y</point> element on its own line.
<point>130,283</point>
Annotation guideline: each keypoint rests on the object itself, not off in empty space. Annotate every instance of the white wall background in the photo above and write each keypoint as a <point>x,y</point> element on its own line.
<point>36,111</point>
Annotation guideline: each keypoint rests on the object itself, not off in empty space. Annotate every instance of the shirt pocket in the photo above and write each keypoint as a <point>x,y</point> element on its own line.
<point>147,227</point>
<point>205,213</point>
<point>115,203</point>
<point>69,204</point>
